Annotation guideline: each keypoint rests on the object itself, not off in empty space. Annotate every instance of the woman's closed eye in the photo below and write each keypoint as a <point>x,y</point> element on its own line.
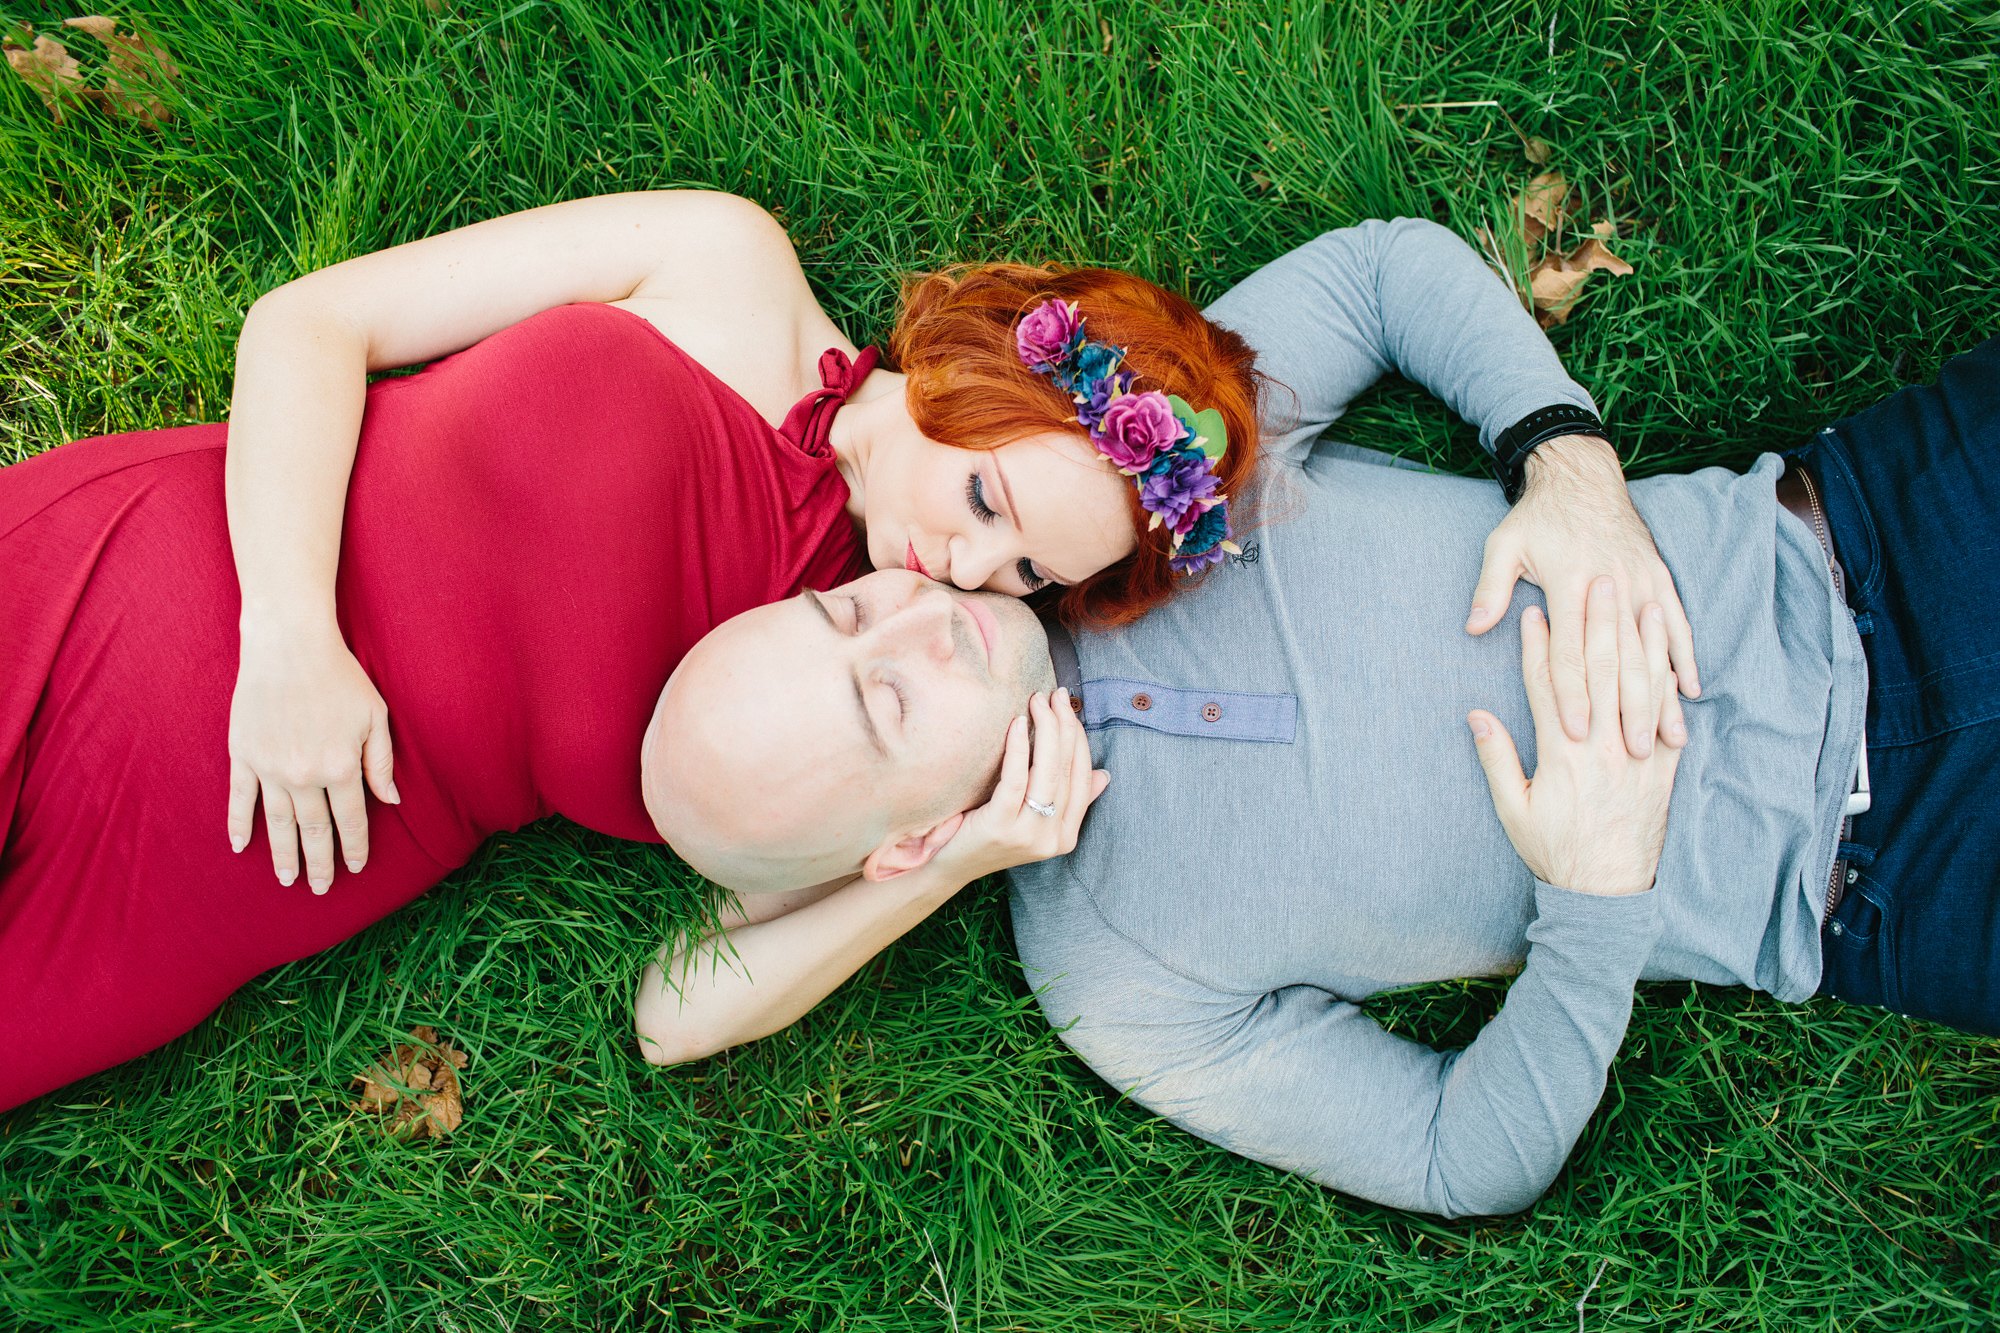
<point>975,499</point>
<point>1026,569</point>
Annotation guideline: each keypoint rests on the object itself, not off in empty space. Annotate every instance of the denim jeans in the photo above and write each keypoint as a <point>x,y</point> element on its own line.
<point>1912,493</point>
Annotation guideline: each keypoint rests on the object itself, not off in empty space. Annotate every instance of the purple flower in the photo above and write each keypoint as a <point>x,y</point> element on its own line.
<point>1090,410</point>
<point>1044,336</point>
<point>1178,487</point>
<point>1205,544</point>
<point>1137,429</point>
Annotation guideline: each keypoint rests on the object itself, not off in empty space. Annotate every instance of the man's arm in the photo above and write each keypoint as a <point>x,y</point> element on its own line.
<point>1336,314</point>
<point>1308,1083</point>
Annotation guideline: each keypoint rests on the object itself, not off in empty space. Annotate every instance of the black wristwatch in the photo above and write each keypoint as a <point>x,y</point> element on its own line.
<point>1511,450</point>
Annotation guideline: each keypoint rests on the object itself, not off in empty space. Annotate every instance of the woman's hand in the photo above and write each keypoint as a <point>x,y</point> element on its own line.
<point>1007,831</point>
<point>1594,818</point>
<point>305,725</point>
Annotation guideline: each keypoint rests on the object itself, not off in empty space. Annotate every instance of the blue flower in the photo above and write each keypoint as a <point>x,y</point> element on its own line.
<point>1096,361</point>
<point>1202,546</point>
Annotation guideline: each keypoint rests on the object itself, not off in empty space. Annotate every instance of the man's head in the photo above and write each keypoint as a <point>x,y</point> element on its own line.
<point>839,732</point>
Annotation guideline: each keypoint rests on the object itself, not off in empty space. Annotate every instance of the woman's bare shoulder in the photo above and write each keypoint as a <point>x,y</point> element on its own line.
<point>738,301</point>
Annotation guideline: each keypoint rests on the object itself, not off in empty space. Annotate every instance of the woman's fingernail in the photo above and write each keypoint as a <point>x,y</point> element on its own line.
<point>319,887</point>
<point>285,877</point>
<point>1678,732</point>
<point>1479,728</point>
<point>353,867</point>
<point>1658,616</point>
<point>395,797</point>
<point>237,844</point>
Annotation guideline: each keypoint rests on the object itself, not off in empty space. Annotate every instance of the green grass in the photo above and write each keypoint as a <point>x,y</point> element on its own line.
<point>1813,200</point>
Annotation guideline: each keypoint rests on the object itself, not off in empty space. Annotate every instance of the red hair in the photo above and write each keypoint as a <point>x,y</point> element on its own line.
<point>954,339</point>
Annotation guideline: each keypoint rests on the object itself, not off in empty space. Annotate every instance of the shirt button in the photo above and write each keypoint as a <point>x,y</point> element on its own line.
<point>1837,928</point>
<point>1852,874</point>
<point>1211,712</point>
<point>1076,703</point>
<point>1142,701</point>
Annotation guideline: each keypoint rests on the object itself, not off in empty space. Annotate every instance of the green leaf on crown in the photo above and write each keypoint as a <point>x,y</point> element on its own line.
<point>1208,426</point>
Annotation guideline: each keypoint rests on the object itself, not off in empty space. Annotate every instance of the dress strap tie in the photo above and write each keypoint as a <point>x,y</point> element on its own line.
<point>811,419</point>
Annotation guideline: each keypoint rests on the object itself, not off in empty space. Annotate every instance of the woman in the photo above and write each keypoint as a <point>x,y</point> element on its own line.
<point>497,562</point>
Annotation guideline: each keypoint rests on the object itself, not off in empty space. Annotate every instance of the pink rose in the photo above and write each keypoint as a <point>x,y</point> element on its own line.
<point>1045,334</point>
<point>1137,429</point>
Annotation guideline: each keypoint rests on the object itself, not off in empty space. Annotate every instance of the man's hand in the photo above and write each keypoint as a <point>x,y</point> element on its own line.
<point>1575,522</point>
<point>1594,818</point>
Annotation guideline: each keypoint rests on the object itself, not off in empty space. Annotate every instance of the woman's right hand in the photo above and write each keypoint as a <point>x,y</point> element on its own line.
<point>306,725</point>
<point>1007,831</point>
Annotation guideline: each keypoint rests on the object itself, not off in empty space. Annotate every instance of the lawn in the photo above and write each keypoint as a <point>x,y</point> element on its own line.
<point>1809,195</point>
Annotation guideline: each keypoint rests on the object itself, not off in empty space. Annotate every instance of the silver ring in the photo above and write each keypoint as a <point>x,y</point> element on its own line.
<point>1045,811</point>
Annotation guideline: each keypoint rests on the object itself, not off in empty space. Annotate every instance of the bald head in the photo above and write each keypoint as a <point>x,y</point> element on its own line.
<point>838,733</point>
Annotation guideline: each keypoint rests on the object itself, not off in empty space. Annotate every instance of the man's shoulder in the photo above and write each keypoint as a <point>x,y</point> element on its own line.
<point>1058,924</point>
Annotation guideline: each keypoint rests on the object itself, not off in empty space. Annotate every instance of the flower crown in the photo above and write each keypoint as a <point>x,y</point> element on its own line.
<point>1165,446</point>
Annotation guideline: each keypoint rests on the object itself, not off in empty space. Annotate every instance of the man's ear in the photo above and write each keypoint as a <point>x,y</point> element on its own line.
<point>899,855</point>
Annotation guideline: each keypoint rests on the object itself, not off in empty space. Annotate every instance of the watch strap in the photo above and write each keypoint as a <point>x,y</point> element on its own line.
<point>1511,449</point>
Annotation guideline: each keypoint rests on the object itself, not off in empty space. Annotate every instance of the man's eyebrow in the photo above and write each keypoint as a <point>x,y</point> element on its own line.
<point>1014,517</point>
<point>860,700</point>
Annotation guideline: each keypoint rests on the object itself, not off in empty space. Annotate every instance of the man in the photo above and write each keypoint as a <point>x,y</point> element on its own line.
<point>1294,823</point>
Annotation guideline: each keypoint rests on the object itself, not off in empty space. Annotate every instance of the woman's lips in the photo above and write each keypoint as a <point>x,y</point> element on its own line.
<point>911,563</point>
<point>988,627</point>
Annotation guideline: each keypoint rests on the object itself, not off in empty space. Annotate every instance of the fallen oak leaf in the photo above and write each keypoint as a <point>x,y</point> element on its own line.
<point>381,1083</point>
<point>1555,287</point>
<point>1557,281</point>
<point>1593,254</point>
<point>1544,204</point>
<point>144,62</point>
<point>445,1108</point>
<point>420,1083</point>
<point>50,70</point>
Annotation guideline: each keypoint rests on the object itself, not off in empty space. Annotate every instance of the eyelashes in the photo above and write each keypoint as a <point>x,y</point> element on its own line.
<point>975,497</point>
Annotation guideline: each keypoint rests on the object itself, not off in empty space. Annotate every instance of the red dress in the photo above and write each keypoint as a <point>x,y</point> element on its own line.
<point>537,529</point>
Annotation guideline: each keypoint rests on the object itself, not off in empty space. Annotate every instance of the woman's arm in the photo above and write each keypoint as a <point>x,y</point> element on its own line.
<point>305,722</point>
<point>787,952</point>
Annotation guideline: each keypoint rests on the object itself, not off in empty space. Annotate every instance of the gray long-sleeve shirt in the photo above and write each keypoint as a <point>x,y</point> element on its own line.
<point>1297,819</point>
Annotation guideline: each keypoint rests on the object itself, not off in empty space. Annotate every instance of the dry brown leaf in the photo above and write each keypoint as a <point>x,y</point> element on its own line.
<point>1544,204</point>
<point>1606,229</point>
<point>1555,287</point>
<point>443,1109</point>
<point>1593,254</point>
<point>50,70</point>
<point>434,1105</point>
<point>143,63</point>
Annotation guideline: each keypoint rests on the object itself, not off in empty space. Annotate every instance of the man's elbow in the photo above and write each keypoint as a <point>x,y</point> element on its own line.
<point>1494,1196</point>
